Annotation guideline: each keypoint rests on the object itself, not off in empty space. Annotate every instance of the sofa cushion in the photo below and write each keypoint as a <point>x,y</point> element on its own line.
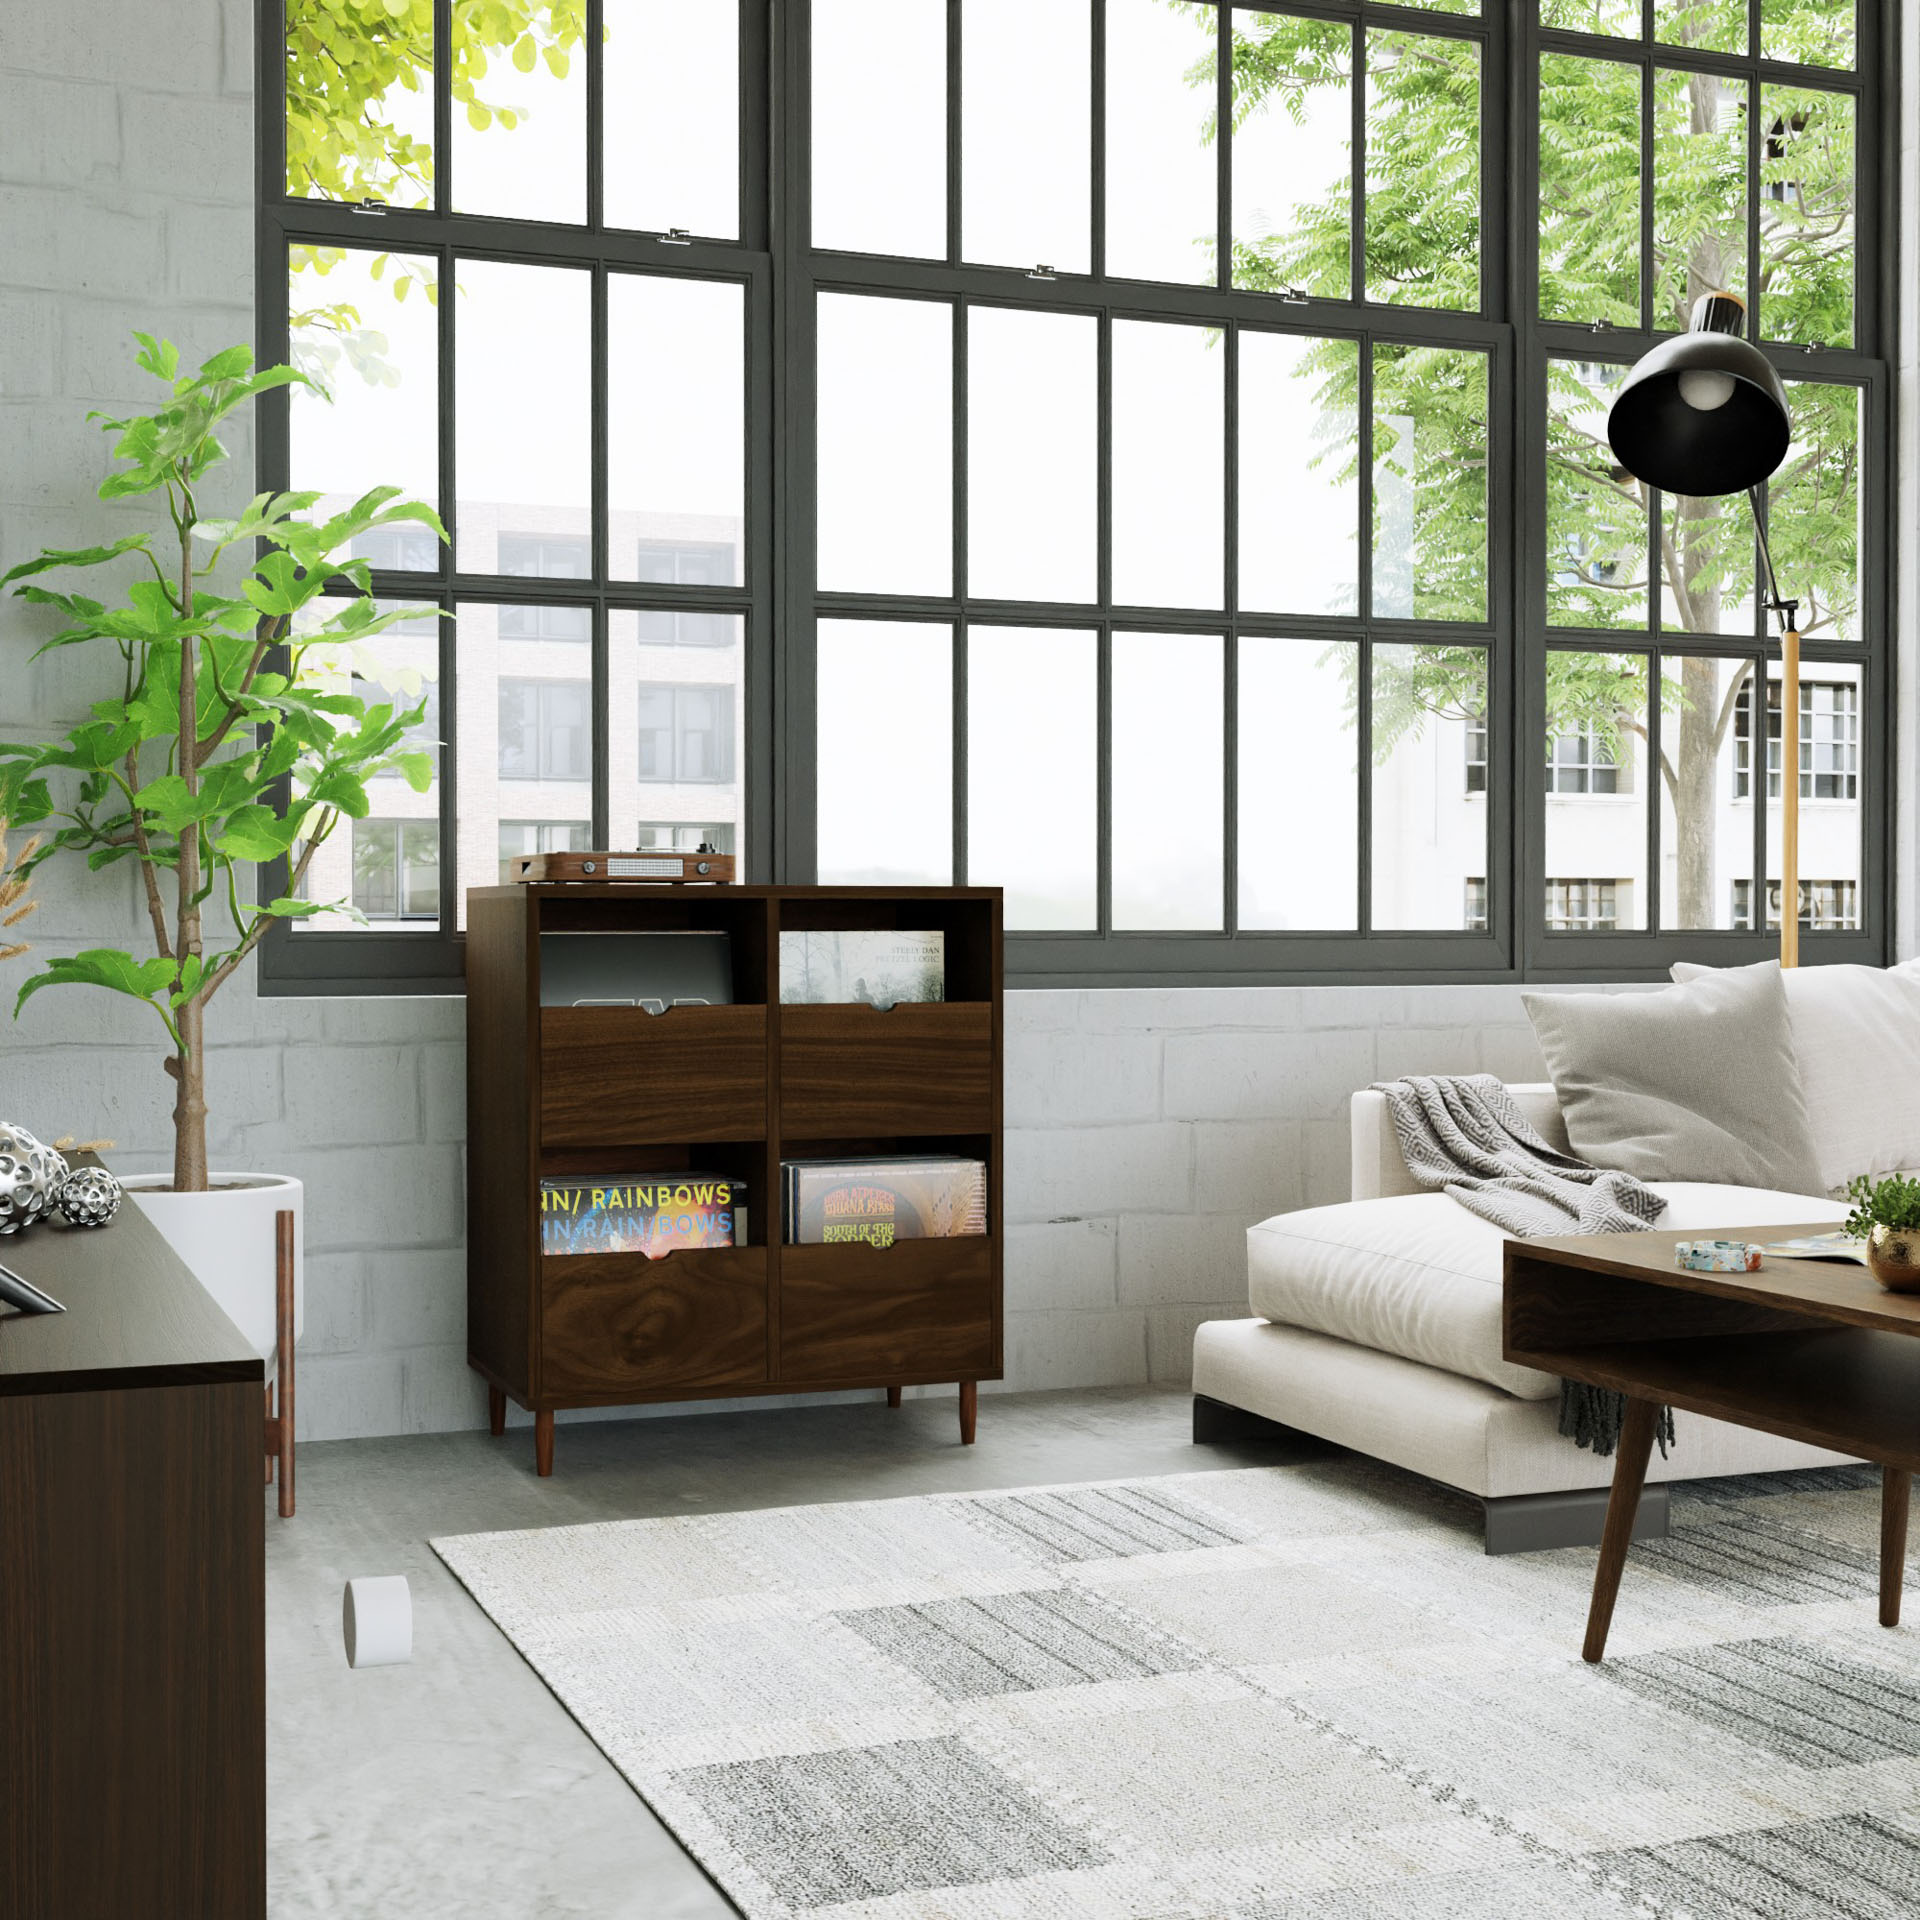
<point>1694,1082</point>
<point>1419,1276</point>
<point>1856,1035</point>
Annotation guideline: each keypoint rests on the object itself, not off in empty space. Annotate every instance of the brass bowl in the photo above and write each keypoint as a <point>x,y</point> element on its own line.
<point>1894,1255</point>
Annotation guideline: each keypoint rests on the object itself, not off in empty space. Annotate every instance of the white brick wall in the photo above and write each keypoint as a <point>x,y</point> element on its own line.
<point>1146,1130</point>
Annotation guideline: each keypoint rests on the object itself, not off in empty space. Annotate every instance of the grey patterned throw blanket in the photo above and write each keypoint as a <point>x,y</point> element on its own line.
<point>1462,1135</point>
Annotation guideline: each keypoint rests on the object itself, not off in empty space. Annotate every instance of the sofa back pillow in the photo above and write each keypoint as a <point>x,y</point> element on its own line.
<point>1856,1035</point>
<point>1694,1082</point>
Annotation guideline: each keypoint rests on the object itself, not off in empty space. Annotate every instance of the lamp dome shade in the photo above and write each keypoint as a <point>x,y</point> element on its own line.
<point>1702,414</point>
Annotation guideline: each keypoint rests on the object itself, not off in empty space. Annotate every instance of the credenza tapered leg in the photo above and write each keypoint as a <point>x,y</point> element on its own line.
<point>543,1443</point>
<point>1896,1483</point>
<point>269,1478</point>
<point>496,1411</point>
<point>285,1318</point>
<point>969,1410</point>
<point>894,1396</point>
<point>1629,1476</point>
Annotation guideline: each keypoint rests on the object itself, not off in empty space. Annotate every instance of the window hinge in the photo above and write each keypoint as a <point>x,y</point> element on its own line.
<point>1293,296</point>
<point>1042,272</point>
<point>1814,346</point>
<point>370,205</point>
<point>1602,326</point>
<point>676,237</point>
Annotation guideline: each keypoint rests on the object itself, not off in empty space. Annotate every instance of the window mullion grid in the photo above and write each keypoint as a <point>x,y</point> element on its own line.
<point>956,106</point>
<point>1759,761</point>
<point>1097,134</point>
<point>449,771</point>
<point>1363,714</point>
<point>442,108</point>
<point>1230,638</point>
<point>449,568</point>
<point>1223,147</point>
<point>961,630</point>
<point>1357,231</point>
<point>596,116</point>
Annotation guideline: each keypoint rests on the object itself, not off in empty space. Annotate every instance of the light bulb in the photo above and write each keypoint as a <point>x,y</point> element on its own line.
<point>1703,389</point>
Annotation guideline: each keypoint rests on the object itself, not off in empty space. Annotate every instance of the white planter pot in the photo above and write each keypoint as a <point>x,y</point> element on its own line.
<point>226,1238</point>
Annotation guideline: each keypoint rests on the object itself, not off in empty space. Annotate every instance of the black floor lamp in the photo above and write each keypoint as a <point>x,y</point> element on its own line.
<point>1705,414</point>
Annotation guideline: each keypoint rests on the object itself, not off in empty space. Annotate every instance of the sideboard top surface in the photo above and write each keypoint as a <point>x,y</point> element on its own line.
<point>136,1317</point>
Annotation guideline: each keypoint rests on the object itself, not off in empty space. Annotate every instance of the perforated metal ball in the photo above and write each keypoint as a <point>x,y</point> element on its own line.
<point>89,1198</point>
<point>31,1176</point>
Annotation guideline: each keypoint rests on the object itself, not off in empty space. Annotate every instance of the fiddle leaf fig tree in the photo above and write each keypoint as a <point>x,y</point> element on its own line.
<point>235,738</point>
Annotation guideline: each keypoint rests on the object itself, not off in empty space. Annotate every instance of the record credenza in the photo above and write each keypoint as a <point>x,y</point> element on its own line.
<point>616,1090</point>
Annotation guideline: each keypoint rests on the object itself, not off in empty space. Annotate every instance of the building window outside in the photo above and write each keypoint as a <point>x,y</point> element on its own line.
<point>1826,906</point>
<point>683,836</point>
<point>1477,754</point>
<point>1829,741</point>
<point>546,730</point>
<point>519,838</point>
<point>1583,906</point>
<point>1476,905</point>
<point>1582,762</point>
<point>396,869</point>
<point>686,733</point>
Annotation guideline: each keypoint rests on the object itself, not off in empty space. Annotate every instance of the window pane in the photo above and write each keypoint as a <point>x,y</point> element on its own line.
<point>676,405</point>
<point>1706,828</point>
<point>1299,474</point>
<point>1033,775</point>
<point>1298,784</point>
<point>885,408</point>
<point>1423,171</point>
<point>1806,216</point>
<point>1719,26</point>
<point>525,728</point>
<point>1596,839</point>
<point>885,753</point>
<point>1026,133</point>
<point>1596,512</point>
<point>1429,483</point>
<point>359,106</point>
<point>1592,16</point>
<point>1168,482</point>
<point>880,126</point>
<point>1429,815</point>
<point>1162,176</point>
<point>1706,565</point>
<point>362,326</point>
<point>400,845</point>
<point>1293,155</point>
<point>1032,451</point>
<point>1699,191</point>
<point>1813,510</point>
<point>1589,190</point>
<point>519,838</point>
<point>1818,33</point>
<point>682,757</point>
<point>519,111</point>
<point>671,75</point>
<point>1168,780</point>
<point>521,469</point>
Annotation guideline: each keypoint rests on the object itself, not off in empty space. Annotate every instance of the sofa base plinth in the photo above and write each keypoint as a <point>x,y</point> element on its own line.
<point>1217,1424</point>
<point>1534,1522</point>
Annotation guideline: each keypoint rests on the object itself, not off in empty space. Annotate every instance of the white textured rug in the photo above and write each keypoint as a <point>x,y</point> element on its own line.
<point>1280,1694</point>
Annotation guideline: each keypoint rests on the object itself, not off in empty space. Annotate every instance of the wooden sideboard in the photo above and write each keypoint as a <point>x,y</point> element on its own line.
<point>132,1588</point>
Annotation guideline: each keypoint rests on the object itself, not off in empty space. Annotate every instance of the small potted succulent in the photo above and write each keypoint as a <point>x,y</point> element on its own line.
<point>1886,1215</point>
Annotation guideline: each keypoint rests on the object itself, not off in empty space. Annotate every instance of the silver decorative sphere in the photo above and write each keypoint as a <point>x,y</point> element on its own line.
<point>31,1175</point>
<point>89,1198</point>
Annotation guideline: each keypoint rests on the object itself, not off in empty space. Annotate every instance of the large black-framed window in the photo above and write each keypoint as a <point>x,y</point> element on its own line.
<point>1114,525</point>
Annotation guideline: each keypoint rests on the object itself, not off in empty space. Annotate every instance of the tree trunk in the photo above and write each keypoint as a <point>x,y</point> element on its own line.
<point>189,1069</point>
<point>1693,797</point>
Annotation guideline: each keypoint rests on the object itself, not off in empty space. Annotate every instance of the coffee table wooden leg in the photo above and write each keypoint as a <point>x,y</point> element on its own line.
<point>1623,1504</point>
<point>1895,1485</point>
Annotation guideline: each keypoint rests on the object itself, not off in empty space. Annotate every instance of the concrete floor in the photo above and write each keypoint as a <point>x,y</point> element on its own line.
<point>457,1785</point>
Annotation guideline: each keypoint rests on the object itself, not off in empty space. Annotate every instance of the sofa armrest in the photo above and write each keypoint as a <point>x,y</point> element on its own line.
<point>1379,1171</point>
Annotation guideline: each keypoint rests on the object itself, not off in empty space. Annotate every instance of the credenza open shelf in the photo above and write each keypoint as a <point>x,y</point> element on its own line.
<point>735,1090</point>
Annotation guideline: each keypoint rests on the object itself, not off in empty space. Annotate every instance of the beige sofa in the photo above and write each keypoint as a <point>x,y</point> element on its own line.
<point>1377,1326</point>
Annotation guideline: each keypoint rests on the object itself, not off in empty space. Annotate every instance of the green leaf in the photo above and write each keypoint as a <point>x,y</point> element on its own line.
<point>76,557</point>
<point>106,967</point>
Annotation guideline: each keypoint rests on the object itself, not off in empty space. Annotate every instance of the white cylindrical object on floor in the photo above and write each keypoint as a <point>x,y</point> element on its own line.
<point>376,1616</point>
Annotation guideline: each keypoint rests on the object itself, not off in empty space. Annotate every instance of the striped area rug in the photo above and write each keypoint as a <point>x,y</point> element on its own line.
<point>1295,1693</point>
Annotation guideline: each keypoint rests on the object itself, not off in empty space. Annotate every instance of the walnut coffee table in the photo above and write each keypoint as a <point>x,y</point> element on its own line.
<point>1814,1350</point>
